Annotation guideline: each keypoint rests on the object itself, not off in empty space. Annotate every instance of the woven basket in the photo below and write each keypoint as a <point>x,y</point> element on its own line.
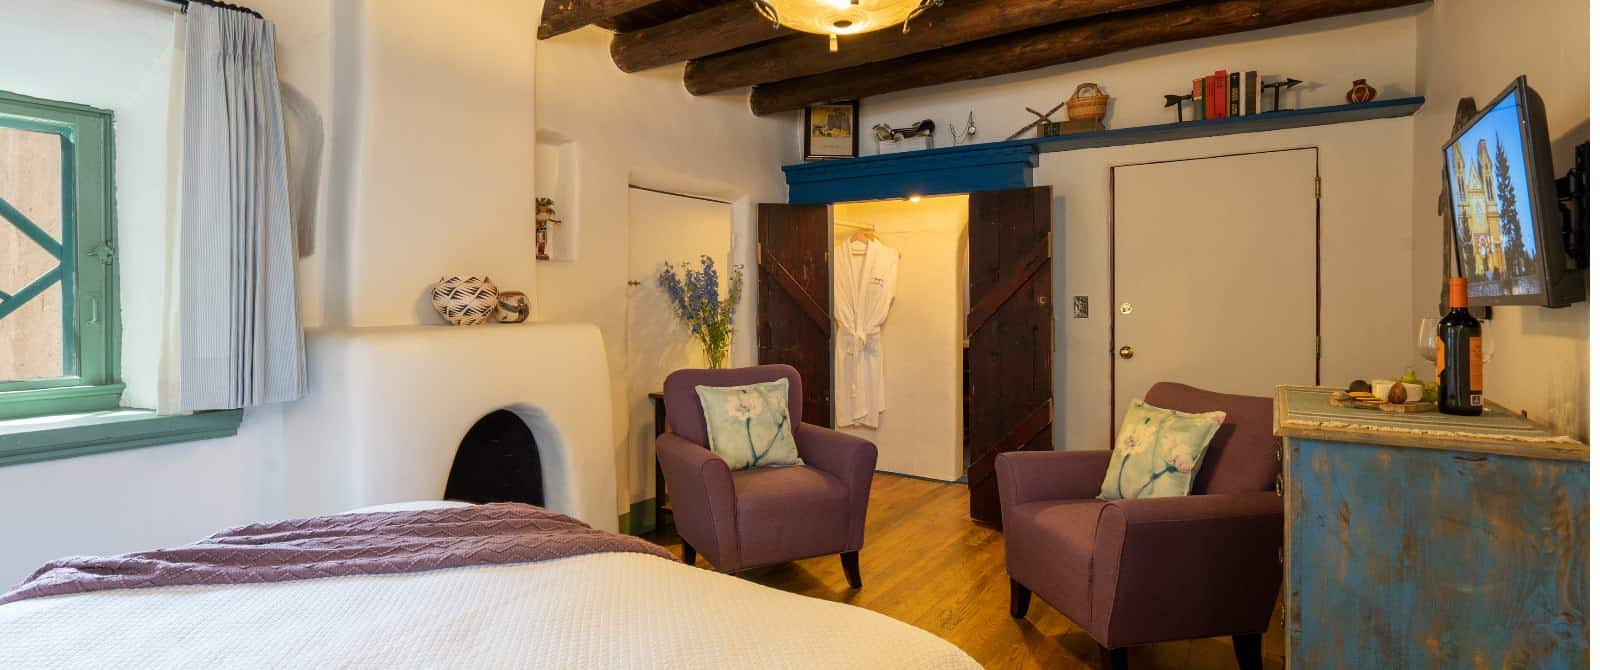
<point>1088,102</point>
<point>465,300</point>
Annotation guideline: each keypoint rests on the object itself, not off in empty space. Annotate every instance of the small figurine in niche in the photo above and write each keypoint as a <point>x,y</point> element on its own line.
<point>512,308</point>
<point>544,215</point>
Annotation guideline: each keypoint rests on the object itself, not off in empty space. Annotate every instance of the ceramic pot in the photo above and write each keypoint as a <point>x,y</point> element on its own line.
<point>465,300</point>
<point>513,308</point>
<point>1360,92</point>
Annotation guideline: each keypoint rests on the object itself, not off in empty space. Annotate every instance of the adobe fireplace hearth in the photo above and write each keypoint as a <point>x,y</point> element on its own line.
<point>389,406</point>
<point>498,461</point>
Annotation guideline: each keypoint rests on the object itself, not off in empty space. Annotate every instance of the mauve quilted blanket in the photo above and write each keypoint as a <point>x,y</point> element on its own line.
<point>339,545</point>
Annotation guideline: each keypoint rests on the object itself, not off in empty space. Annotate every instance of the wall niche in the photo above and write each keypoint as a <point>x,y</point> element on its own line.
<point>556,177</point>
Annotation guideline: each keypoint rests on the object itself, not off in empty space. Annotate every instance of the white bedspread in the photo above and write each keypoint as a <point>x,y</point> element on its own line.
<point>598,611</point>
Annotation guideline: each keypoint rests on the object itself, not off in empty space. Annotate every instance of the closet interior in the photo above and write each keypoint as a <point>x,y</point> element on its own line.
<point>899,306</point>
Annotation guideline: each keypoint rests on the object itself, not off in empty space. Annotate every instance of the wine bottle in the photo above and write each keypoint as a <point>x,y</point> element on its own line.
<point>1460,357</point>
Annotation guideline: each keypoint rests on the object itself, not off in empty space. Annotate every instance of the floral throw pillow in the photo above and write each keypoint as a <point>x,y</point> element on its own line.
<point>1158,452</point>
<point>749,426</point>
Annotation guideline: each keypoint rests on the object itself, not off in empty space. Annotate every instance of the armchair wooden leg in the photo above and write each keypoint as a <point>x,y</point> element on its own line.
<point>851,560</point>
<point>1247,649</point>
<point>1021,597</point>
<point>688,553</point>
<point>1114,659</point>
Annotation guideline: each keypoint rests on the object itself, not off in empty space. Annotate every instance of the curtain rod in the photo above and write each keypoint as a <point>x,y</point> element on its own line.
<point>215,3</point>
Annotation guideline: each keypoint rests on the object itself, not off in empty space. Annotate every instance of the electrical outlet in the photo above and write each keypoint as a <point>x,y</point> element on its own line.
<point>1080,307</point>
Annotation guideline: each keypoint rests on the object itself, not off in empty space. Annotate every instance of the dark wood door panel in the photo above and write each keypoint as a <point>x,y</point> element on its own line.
<point>1010,331</point>
<point>793,323</point>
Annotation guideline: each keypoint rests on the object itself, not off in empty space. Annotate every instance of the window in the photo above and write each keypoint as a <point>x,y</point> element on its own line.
<point>58,299</point>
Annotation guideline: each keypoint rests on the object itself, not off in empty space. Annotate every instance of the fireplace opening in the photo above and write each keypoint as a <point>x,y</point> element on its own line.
<point>498,461</point>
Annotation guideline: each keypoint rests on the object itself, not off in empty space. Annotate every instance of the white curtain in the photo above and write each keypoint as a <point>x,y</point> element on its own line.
<point>237,340</point>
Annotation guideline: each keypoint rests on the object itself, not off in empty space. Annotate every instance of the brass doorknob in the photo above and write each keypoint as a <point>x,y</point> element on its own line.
<point>1125,352</point>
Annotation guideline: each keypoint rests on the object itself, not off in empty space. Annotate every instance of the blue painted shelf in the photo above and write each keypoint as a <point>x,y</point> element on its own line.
<point>1009,164</point>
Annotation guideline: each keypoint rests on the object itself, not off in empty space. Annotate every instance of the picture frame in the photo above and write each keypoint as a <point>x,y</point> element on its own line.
<point>832,130</point>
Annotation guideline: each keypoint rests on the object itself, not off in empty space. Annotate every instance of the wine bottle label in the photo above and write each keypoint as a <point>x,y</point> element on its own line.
<point>1475,367</point>
<point>1439,358</point>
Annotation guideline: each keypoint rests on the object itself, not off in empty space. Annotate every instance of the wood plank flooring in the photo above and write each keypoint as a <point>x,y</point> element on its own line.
<point>927,564</point>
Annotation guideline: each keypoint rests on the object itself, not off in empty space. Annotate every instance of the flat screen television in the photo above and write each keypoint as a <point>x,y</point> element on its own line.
<point>1508,237</point>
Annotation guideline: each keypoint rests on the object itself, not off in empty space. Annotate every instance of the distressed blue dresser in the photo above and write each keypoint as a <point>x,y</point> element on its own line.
<point>1431,541</point>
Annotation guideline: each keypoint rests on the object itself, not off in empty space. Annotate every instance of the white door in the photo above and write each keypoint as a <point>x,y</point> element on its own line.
<point>663,229</point>
<point>1215,274</point>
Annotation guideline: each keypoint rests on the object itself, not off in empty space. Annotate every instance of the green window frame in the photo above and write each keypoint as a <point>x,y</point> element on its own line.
<point>88,263</point>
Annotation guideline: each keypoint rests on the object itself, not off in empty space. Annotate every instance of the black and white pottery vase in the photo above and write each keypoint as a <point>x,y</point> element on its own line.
<point>465,300</point>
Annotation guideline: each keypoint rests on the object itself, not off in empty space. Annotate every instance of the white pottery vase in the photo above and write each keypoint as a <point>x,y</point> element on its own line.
<point>465,300</point>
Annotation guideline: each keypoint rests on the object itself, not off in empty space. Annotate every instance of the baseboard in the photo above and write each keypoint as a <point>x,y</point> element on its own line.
<point>639,519</point>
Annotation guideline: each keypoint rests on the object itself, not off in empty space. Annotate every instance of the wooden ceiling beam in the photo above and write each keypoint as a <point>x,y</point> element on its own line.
<point>722,28</point>
<point>564,16</point>
<point>1055,45</point>
<point>939,28</point>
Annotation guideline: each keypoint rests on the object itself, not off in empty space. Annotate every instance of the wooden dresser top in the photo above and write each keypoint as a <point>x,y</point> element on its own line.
<point>1304,412</point>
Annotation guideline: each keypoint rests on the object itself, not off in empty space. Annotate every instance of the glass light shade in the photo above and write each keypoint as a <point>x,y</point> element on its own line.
<point>841,17</point>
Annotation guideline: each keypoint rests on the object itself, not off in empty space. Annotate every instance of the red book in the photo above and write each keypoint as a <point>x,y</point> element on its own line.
<point>1217,95</point>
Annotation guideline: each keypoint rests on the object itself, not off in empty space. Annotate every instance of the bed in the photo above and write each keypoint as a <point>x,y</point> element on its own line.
<point>599,610</point>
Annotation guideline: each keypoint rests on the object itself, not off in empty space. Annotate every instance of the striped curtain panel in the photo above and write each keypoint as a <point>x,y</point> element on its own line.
<point>239,338</point>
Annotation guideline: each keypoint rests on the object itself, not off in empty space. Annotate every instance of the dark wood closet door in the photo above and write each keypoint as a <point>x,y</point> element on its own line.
<point>1009,332</point>
<point>793,322</point>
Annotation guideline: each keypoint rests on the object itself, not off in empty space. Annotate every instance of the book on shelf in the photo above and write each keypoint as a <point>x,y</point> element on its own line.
<point>1233,94</point>
<point>1056,128</point>
<point>1252,93</point>
<point>1217,95</point>
<point>1200,98</point>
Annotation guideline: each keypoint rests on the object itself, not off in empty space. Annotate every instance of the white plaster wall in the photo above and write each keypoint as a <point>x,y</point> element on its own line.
<point>1366,194</point>
<point>646,130</point>
<point>1474,48</point>
<point>920,432</point>
<point>1327,54</point>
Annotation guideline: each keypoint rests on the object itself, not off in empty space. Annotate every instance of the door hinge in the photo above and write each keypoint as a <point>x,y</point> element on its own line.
<point>1318,182</point>
<point>1319,347</point>
<point>1050,244</point>
<point>104,252</point>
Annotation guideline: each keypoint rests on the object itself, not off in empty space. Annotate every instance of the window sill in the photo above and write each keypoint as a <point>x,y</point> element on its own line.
<point>45,438</point>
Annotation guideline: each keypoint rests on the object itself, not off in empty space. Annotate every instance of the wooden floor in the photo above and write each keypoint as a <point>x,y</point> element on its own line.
<point>927,564</point>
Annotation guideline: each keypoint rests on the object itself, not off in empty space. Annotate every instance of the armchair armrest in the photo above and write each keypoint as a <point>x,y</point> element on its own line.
<point>1186,567</point>
<point>847,457</point>
<point>1032,476</point>
<point>702,496</point>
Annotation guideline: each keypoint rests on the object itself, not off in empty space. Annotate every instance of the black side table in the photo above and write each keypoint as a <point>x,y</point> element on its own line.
<point>663,505</point>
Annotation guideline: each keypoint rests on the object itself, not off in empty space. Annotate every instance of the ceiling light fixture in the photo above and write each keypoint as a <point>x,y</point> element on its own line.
<point>843,17</point>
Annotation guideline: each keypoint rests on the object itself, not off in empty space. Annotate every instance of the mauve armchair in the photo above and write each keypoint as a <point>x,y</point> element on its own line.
<point>1134,572</point>
<point>762,516</point>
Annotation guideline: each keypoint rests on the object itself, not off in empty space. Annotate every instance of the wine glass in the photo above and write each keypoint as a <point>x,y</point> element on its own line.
<point>1487,344</point>
<point>1428,338</point>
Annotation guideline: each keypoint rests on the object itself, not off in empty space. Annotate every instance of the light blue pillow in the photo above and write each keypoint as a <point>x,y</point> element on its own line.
<point>1158,451</point>
<point>749,426</point>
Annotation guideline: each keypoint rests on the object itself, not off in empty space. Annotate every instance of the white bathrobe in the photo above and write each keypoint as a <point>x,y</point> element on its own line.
<point>863,288</point>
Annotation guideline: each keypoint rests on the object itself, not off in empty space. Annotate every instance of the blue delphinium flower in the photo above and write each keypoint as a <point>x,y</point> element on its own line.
<point>697,301</point>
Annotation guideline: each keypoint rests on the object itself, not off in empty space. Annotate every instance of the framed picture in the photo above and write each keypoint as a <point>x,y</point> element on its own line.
<point>833,130</point>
